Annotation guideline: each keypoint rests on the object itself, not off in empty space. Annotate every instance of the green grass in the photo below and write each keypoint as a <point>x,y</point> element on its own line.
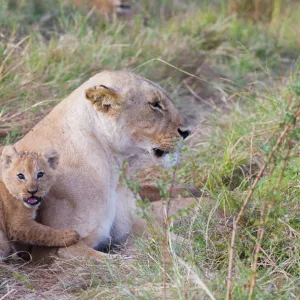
<point>239,82</point>
<point>227,167</point>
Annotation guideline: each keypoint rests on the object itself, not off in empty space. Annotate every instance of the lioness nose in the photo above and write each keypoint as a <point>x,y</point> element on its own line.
<point>32,192</point>
<point>184,133</point>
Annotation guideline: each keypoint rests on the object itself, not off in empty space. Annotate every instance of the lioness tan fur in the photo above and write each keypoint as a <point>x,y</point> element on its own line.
<point>27,178</point>
<point>111,118</point>
<point>106,7</point>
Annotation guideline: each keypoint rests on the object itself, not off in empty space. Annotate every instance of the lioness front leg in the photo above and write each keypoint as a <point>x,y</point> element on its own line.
<point>31,232</point>
<point>80,250</point>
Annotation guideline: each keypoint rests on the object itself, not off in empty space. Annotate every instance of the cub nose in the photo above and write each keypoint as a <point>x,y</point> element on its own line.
<point>32,192</point>
<point>184,133</point>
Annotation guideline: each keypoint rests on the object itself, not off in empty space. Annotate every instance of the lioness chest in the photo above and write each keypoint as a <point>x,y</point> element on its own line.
<point>87,206</point>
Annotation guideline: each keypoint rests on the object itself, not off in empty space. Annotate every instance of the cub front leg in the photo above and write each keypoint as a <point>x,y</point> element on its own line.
<point>31,232</point>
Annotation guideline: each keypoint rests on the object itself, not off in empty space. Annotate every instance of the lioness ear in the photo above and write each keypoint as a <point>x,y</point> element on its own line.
<point>8,154</point>
<point>52,158</point>
<point>105,99</point>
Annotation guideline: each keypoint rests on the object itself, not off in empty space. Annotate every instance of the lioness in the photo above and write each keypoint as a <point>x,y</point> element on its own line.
<point>114,116</point>
<point>107,7</point>
<point>27,178</point>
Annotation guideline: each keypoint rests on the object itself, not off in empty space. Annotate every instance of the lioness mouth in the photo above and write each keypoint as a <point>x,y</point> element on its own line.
<point>159,153</point>
<point>33,201</point>
<point>123,8</point>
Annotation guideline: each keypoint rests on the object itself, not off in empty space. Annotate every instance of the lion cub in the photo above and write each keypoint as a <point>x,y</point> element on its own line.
<point>26,179</point>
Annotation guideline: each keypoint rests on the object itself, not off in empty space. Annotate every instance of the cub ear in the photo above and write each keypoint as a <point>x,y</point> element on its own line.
<point>52,158</point>
<point>8,154</point>
<point>105,99</point>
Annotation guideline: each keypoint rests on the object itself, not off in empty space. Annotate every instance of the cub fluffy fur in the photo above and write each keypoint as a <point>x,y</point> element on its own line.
<point>26,178</point>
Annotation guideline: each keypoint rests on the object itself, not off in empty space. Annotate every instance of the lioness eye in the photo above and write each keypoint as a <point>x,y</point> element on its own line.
<point>21,176</point>
<point>156,105</point>
<point>40,175</point>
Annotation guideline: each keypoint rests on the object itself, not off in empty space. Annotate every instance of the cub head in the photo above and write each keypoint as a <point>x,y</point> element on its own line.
<point>28,176</point>
<point>138,115</point>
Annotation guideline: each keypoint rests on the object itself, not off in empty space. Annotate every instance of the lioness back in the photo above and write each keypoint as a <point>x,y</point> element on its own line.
<point>26,179</point>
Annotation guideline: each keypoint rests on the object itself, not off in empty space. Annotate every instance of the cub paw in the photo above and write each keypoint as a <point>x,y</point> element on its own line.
<point>70,237</point>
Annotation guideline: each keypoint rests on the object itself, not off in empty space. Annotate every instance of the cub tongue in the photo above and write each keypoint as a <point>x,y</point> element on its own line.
<point>31,200</point>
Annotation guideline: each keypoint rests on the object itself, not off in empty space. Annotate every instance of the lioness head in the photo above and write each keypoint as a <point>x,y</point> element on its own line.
<point>28,176</point>
<point>142,113</point>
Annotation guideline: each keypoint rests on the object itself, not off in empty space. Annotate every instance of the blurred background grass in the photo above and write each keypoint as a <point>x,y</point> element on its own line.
<point>231,67</point>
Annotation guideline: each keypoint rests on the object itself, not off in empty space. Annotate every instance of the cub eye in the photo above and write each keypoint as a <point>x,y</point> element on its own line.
<point>40,175</point>
<point>21,176</point>
<point>156,105</point>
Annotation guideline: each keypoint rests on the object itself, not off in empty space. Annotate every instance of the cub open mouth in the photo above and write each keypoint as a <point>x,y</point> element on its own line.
<point>33,201</point>
<point>159,152</point>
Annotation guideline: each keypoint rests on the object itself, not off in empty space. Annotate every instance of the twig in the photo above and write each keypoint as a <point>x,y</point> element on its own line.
<point>197,96</point>
<point>10,53</point>
<point>7,294</point>
<point>290,228</point>
<point>260,235</point>
<point>44,102</point>
<point>165,227</point>
<point>196,279</point>
<point>171,189</point>
<point>251,150</point>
